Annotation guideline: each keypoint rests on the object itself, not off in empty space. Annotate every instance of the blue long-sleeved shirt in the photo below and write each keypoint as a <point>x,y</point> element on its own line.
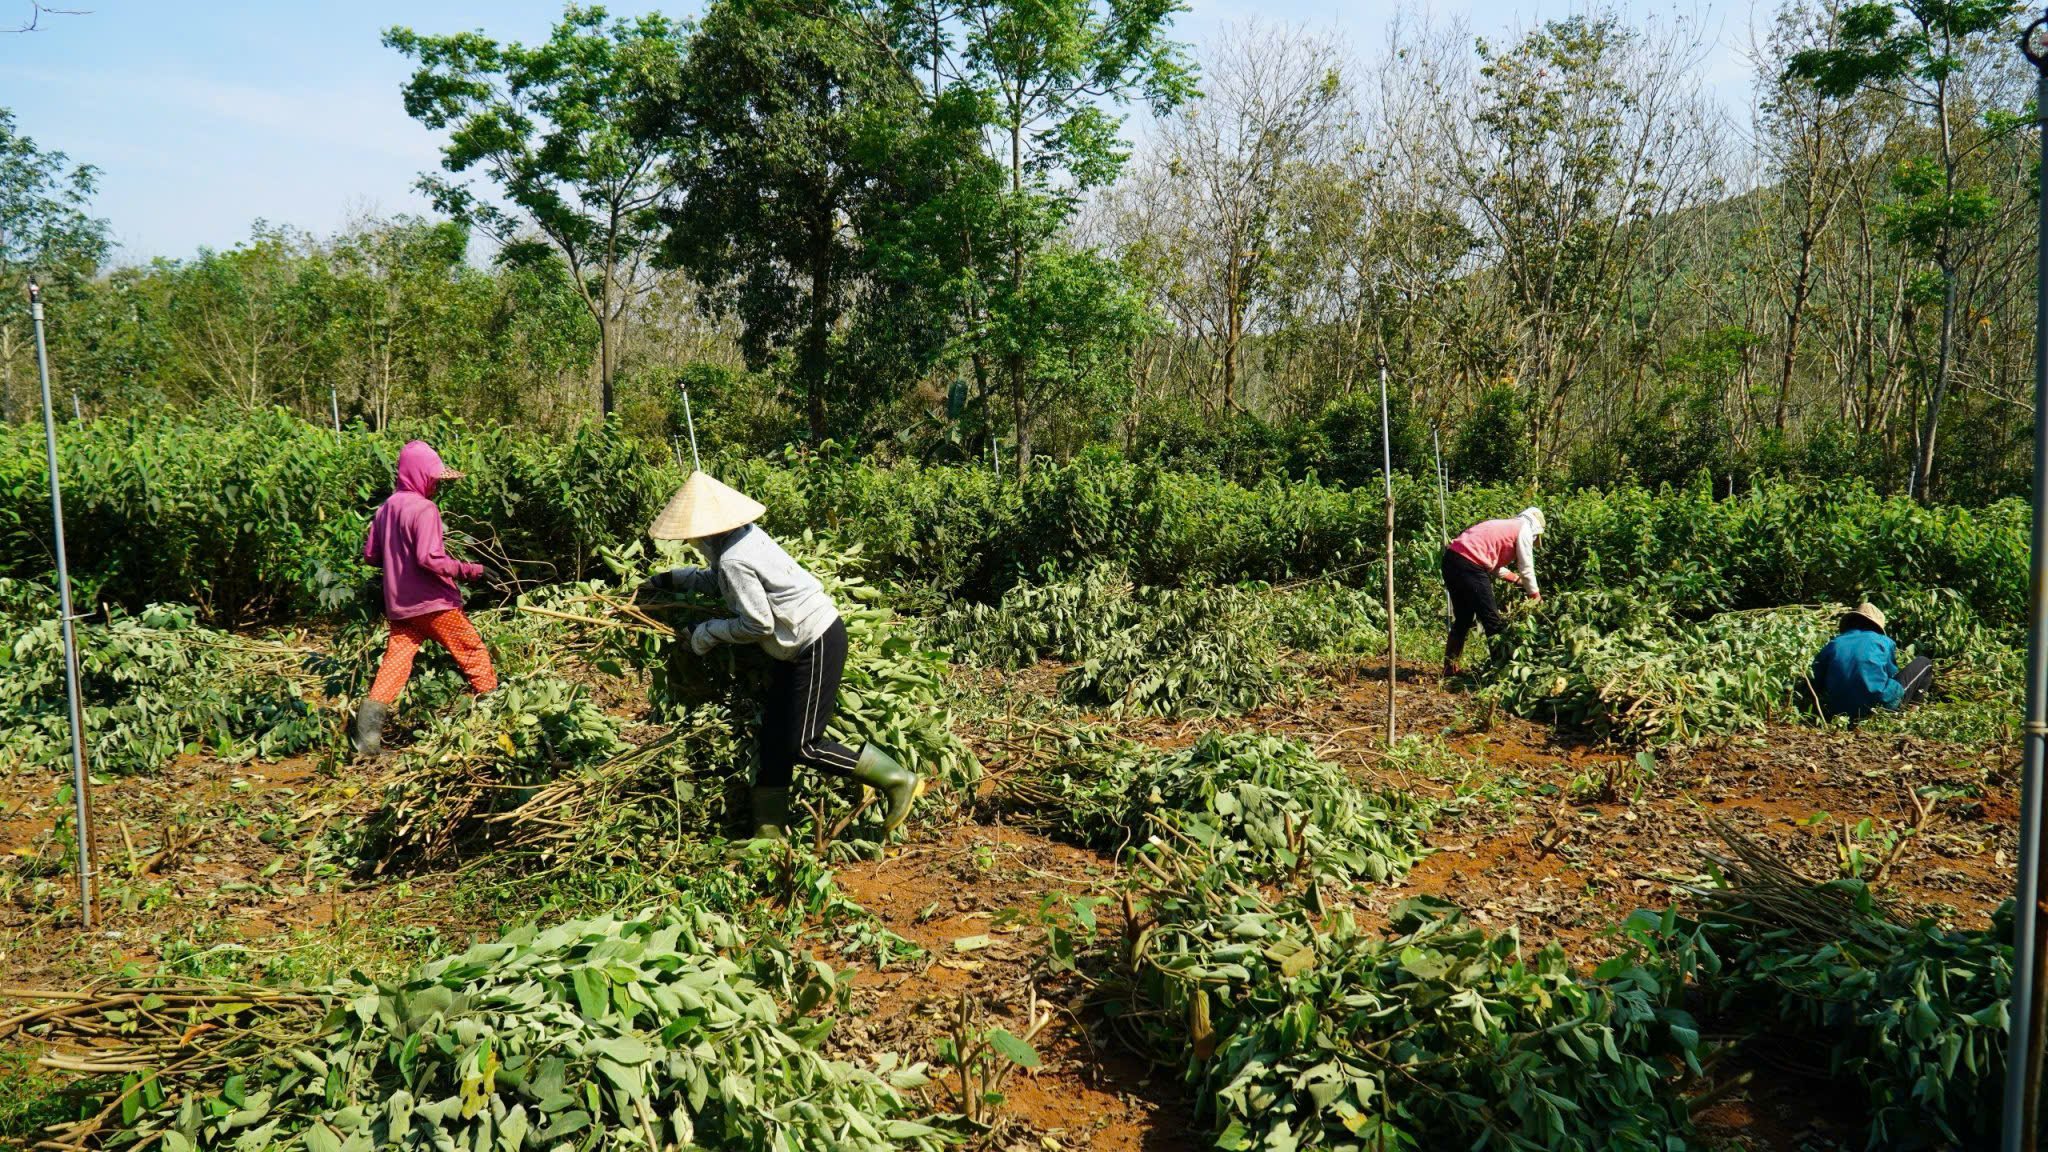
<point>1858,672</point>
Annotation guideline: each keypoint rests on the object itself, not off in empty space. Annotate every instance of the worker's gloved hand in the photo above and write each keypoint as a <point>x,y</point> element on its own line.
<point>1535,597</point>
<point>661,583</point>
<point>701,639</point>
<point>472,572</point>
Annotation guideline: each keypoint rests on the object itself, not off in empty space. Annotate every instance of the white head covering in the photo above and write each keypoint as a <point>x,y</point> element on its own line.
<point>703,507</point>
<point>1535,518</point>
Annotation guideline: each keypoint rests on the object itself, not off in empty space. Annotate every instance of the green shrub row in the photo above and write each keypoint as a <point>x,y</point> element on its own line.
<point>262,515</point>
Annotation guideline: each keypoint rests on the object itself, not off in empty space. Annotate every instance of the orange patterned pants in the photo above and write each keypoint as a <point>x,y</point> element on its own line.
<point>454,632</point>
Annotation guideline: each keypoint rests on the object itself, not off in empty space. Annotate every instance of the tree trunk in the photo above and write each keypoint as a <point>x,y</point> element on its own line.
<point>1016,364</point>
<point>1023,453</point>
<point>1924,472</point>
<point>604,365</point>
<point>1795,312</point>
<point>6,373</point>
<point>819,331</point>
<point>1232,322</point>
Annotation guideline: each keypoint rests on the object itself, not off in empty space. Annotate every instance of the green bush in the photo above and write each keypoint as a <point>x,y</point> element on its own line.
<point>263,516</point>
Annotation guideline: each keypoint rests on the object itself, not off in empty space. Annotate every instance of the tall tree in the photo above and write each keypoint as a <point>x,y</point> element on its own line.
<point>1581,149</point>
<point>46,228</point>
<point>560,129</point>
<point>789,120</point>
<point>1241,177</point>
<point>1922,51</point>
<point>1045,72</point>
<point>1814,143</point>
<point>243,321</point>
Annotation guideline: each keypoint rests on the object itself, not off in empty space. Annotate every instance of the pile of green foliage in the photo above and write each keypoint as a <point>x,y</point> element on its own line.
<point>1263,805</point>
<point>1298,1030</point>
<point>151,685</point>
<point>571,791</point>
<point>1912,1016</point>
<point>1241,963</point>
<point>894,692</point>
<point>488,755</point>
<point>1625,666</point>
<point>669,1029</point>
<point>1161,651</point>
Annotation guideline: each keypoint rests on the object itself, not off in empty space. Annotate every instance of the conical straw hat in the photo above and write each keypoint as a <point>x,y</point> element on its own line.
<point>703,507</point>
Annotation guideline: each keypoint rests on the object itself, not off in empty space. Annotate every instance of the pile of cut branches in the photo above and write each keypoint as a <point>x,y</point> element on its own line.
<point>671,1029</point>
<point>1629,668</point>
<point>489,755</point>
<point>1296,1029</point>
<point>1265,805</point>
<point>894,694</point>
<point>151,684</point>
<point>1913,1016</point>
<point>1160,651</point>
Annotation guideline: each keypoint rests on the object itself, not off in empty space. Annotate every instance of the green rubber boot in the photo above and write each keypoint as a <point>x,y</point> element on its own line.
<point>897,784</point>
<point>771,813</point>
<point>367,736</point>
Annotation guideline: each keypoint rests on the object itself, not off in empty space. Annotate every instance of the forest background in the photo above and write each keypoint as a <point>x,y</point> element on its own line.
<point>989,231</point>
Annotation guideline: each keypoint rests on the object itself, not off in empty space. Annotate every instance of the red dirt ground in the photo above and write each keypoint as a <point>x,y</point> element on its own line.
<point>1531,846</point>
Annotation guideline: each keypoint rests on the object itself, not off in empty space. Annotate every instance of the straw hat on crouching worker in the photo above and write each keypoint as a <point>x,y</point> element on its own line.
<point>703,507</point>
<point>1869,612</point>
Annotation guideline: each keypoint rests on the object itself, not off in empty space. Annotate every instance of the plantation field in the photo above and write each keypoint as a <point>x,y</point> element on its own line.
<point>1170,889</point>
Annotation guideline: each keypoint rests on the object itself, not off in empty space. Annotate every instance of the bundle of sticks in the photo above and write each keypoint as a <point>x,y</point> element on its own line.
<point>157,1036</point>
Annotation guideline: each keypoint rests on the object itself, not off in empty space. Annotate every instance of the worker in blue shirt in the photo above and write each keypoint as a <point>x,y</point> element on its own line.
<point>1858,672</point>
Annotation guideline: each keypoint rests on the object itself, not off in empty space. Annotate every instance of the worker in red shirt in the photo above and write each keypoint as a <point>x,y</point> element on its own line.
<point>1481,552</point>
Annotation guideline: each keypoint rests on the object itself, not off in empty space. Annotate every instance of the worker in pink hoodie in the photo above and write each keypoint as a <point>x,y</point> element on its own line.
<point>1503,548</point>
<point>420,596</point>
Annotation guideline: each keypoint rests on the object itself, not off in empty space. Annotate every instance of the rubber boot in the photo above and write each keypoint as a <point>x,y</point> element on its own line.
<point>368,734</point>
<point>771,812</point>
<point>897,784</point>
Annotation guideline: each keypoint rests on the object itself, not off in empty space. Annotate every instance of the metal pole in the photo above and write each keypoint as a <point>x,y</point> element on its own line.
<point>77,413</point>
<point>691,421</point>
<point>2023,1023</point>
<point>1443,511</point>
<point>78,781</point>
<point>1387,470</point>
<point>334,407</point>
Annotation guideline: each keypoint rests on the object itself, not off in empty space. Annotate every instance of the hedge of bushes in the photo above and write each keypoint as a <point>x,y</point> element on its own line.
<point>261,516</point>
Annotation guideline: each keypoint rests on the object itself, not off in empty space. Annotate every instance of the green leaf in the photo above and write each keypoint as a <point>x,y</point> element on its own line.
<point>1010,1048</point>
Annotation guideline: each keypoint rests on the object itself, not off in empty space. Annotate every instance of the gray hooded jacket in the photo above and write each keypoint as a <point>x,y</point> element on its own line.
<point>775,603</point>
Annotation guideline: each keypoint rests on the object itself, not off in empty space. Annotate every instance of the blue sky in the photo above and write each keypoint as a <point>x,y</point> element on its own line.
<point>205,115</point>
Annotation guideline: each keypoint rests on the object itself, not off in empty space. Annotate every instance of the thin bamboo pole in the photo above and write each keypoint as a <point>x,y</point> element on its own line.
<point>1387,471</point>
<point>80,785</point>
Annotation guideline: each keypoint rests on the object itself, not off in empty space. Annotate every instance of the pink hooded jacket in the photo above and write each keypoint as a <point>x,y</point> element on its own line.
<point>405,541</point>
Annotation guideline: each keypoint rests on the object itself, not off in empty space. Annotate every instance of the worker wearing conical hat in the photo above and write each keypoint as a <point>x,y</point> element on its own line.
<point>1858,671</point>
<point>784,610</point>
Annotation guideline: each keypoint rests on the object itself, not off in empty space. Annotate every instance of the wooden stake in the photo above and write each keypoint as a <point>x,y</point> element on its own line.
<point>1387,470</point>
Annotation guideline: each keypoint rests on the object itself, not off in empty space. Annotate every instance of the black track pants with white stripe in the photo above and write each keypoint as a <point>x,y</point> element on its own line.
<point>801,699</point>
